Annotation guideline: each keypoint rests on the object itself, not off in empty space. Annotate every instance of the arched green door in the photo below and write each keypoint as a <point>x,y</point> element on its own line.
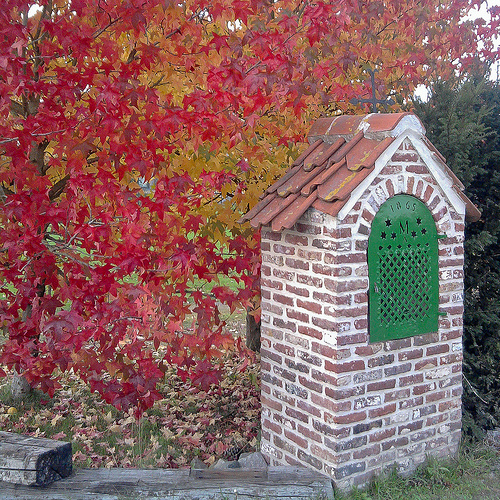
<point>403,270</point>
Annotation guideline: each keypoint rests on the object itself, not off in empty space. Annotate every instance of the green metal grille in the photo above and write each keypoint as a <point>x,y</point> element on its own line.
<point>402,267</point>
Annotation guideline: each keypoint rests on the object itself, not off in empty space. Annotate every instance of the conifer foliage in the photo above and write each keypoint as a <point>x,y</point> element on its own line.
<point>463,121</point>
<point>134,133</point>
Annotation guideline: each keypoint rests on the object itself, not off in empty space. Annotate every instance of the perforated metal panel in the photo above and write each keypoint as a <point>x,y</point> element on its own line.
<point>403,270</point>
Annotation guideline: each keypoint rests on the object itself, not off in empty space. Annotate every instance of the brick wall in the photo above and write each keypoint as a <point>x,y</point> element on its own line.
<point>331,400</point>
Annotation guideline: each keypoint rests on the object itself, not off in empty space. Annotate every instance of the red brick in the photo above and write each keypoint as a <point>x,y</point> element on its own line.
<point>395,395</point>
<point>309,434</point>
<point>355,338</point>
<point>282,373</point>
<point>451,358</point>
<point>272,308</point>
<point>361,324</point>
<point>393,345</point>
<point>306,279</point>
<point>361,298</point>
<point>410,184</point>
<point>434,203</point>
<point>283,275</point>
<point>366,451</point>
<point>411,402</point>
<point>310,332</point>
<point>422,389</point>
<point>294,239</point>
<point>334,406</point>
<point>288,399</point>
<point>267,424</point>
<point>436,419</point>
<point>437,349</point>
<point>267,354</point>
<point>416,378</point>
<point>268,283</point>
<point>300,367</point>
<point>341,271</point>
<point>382,435</point>
<point>413,354</point>
<point>395,443</point>
<point>344,393</point>
<point>302,292</point>
<point>427,193</point>
<point>325,324</point>
<point>309,255</point>
<point>271,235</point>
<point>309,358</point>
<point>331,299</point>
<point>326,430</point>
<point>323,377</point>
<point>339,233</point>
<point>284,349</point>
<point>283,249</point>
<point>284,445</point>
<point>297,315</point>
<point>425,339</point>
<point>287,325</point>
<point>353,312</point>
<point>436,396</point>
<point>296,390</point>
<point>436,443</point>
<point>386,359</point>
<point>406,157</point>
<point>283,299</point>
<point>300,441</point>
<point>381,386</point>
<point>307,228</point>
<point>291,461</point>
<point>297,340</point>
<point>350,366</point>
<point>347,419</point>
<point>383,410</point>
<point>272,380</point>
<point>314,386</point>
<point>331,352</point>
<point>411,426</point>
<point>297,264</point>
<point>426,363</point>
<point>454,403</point>
<point>283,421</point>
<point>321,269</point>
<point>311,409</point>
<point>368,350</point>
<point>390,187</point>
<point>346,286</point>
<point>297,415</point>
<point>309,306</point>
<point>265,388</point>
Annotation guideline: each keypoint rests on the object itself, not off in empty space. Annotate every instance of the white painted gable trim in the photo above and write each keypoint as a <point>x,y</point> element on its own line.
<point>444,181</point>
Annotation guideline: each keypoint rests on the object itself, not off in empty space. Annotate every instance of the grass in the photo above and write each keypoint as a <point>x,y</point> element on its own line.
<point>473,475</point>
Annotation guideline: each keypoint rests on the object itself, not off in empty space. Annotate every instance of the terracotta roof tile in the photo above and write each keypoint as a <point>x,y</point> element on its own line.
<point>343,152</point>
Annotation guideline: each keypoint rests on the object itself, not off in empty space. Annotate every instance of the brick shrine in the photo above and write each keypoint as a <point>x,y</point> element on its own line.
<point>348,389</point>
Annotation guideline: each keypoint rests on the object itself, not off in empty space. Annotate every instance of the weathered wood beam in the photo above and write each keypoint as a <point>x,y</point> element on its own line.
<point>33,461</point>
<point>294,483</point>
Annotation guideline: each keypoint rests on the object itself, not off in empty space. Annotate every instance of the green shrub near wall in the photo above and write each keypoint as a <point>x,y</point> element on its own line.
<point>462,119</point>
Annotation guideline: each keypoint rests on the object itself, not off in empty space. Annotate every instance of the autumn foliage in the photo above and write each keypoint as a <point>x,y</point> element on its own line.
<point>133,134</point>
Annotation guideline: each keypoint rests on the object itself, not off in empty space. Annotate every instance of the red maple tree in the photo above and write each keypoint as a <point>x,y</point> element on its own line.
<point>133,134</point>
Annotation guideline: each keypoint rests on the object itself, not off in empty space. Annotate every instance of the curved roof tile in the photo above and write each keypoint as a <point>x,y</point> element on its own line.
<point>342,153</point>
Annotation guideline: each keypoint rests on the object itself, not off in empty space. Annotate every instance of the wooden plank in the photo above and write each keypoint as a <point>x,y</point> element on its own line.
<point>281,483</point>
<point>33,461</point>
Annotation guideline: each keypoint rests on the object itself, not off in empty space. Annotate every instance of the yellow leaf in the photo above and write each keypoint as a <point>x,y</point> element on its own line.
<point>56,419</point>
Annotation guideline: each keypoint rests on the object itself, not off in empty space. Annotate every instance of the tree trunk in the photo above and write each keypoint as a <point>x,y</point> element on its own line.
<point>19,387</point>
<point>252,333</point>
